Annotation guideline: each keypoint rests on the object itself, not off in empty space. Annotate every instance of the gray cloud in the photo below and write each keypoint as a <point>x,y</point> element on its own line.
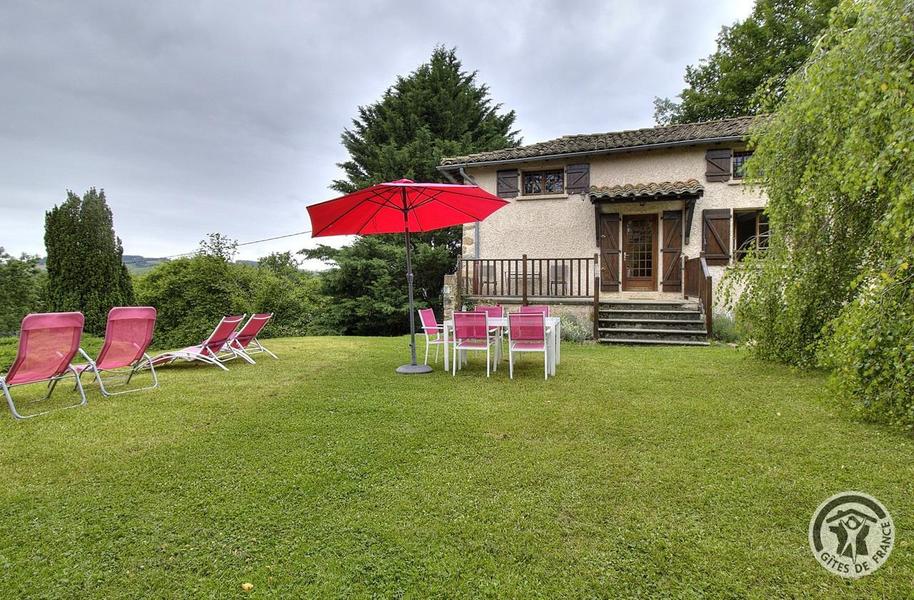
<point>225,116</point>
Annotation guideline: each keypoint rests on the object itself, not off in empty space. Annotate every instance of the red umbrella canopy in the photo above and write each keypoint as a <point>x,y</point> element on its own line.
<point>392,207</point>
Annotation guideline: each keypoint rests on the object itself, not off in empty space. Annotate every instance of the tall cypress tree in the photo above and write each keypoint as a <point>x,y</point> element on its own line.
<point>85,259</point>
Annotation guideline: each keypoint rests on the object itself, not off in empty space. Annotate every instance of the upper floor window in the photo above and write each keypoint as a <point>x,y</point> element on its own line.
<point>739,163</point>
<point>544,182</point>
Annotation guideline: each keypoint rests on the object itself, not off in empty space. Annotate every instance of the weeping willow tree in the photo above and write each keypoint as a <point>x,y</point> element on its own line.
<point>836,286</point>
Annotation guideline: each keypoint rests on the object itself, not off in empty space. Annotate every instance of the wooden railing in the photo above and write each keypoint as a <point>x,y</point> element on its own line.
<point>697,283</point>
<point>528,277</point>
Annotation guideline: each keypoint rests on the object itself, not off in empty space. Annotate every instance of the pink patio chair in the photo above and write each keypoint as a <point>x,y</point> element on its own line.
<point>494,311</point>
<point>472,332</point>
<point>527,333</point>
<point>47,344</point>
<point>432,330</point>
<point>127,337</point>
<point>535,308</point>
<point>244,342</point>
<point>213,350</point>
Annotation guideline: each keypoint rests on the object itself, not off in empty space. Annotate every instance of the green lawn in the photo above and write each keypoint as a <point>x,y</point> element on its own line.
<point>637,472</point>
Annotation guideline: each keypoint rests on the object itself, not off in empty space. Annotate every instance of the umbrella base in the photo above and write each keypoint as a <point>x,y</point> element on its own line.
<point>414,369</point>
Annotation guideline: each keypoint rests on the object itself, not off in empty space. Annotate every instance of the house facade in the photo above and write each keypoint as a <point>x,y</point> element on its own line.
<point>648,215</point>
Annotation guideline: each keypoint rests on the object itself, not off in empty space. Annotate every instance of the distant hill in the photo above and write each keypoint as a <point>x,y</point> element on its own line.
<point>137,265</point>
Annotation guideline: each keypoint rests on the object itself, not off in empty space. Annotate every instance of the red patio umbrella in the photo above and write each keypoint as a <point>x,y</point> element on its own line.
<point>403,206</point>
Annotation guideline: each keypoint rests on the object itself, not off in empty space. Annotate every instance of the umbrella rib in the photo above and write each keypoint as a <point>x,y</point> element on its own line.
<point>370,199</point>
<point>452,207</point>
<point>474,196</point>
<point>429,198</point>
<point>416,214</point>
<point>385,204</point>
<point>334,221</point>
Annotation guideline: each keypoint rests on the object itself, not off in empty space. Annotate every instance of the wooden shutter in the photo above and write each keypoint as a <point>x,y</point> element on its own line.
<point>577,178</point>
<point>715,236</point>
<point>672,251</point>
<point>507,183</point>
<point>609,252</point>
<point>717,164</point>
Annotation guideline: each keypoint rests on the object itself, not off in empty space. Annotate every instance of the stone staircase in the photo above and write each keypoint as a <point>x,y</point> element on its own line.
<point>652,322</point>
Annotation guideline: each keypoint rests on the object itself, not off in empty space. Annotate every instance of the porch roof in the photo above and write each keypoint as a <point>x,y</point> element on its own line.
<point>663,190</point>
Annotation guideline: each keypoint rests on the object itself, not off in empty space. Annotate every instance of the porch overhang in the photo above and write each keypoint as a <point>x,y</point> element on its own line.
<point>689,191</point>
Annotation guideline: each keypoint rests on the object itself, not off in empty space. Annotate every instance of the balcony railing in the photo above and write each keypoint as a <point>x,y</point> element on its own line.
<point>526,277</point>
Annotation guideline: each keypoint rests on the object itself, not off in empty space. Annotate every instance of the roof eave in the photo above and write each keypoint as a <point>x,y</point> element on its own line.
<point>526,159</point>
<point>599,199</point>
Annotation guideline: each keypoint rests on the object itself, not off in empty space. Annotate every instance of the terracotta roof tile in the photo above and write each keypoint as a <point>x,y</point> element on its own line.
<point>690,187</point>
<point>735,128</point>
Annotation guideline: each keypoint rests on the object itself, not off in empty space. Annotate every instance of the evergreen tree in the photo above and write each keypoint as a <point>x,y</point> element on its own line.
<point>437,110</point>
<point>754,58</point>
<point>85,268</point>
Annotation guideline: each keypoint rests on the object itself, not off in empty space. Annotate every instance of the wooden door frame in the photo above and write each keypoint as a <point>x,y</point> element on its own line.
<point>654,270</point>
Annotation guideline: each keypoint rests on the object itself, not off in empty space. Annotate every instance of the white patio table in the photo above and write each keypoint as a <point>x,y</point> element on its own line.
<point>553,340</point>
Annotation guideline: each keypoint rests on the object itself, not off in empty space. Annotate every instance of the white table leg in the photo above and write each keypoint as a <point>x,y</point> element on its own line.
<point>552,346</point>
<point>447,351</point>
<point>558,342</point>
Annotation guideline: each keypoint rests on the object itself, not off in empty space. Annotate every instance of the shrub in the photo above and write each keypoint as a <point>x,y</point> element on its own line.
<point>573,330</point>
<point>724,329</point>
<point>22,290</point>
<point>191,295</point>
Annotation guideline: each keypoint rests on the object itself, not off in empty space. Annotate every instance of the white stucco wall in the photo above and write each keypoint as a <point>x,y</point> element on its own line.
<point>564,226</point>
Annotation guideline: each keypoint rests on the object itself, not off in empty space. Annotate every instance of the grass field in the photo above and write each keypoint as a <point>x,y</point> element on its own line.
<point>637,472</point>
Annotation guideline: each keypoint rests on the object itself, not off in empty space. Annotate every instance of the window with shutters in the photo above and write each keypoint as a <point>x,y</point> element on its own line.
<point>750,231</point>
<point>543,182</point>
<point>739,163</point>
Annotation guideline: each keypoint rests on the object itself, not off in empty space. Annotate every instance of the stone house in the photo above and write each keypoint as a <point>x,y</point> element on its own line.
<point>631,230</point>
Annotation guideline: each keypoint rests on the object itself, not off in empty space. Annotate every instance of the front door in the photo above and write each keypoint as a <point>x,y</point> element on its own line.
<point>639,252</point>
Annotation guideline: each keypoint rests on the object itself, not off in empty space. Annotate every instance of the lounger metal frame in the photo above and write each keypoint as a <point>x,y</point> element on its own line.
<point>141,363</point>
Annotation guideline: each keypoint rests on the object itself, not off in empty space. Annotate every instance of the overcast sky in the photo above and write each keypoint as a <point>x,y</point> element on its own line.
<point>225,116</point>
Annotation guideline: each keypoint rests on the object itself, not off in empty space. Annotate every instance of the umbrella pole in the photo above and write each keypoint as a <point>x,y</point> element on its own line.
<point>412,368</point>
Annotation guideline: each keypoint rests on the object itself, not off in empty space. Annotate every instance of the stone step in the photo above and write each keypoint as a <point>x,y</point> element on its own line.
<point>642,332</point>
<point>682,324</point>
<point>654,306</point>
<point>638,342</point>
<point>665,335</point>
<point>641,315</point>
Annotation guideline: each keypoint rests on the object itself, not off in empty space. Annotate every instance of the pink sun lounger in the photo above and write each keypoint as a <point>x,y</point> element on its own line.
<point>47,344</point>
<point>213,350</point>
<point>127,337</point>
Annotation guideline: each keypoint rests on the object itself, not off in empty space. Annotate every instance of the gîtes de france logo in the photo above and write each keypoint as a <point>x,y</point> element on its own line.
<point>851,534</point>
